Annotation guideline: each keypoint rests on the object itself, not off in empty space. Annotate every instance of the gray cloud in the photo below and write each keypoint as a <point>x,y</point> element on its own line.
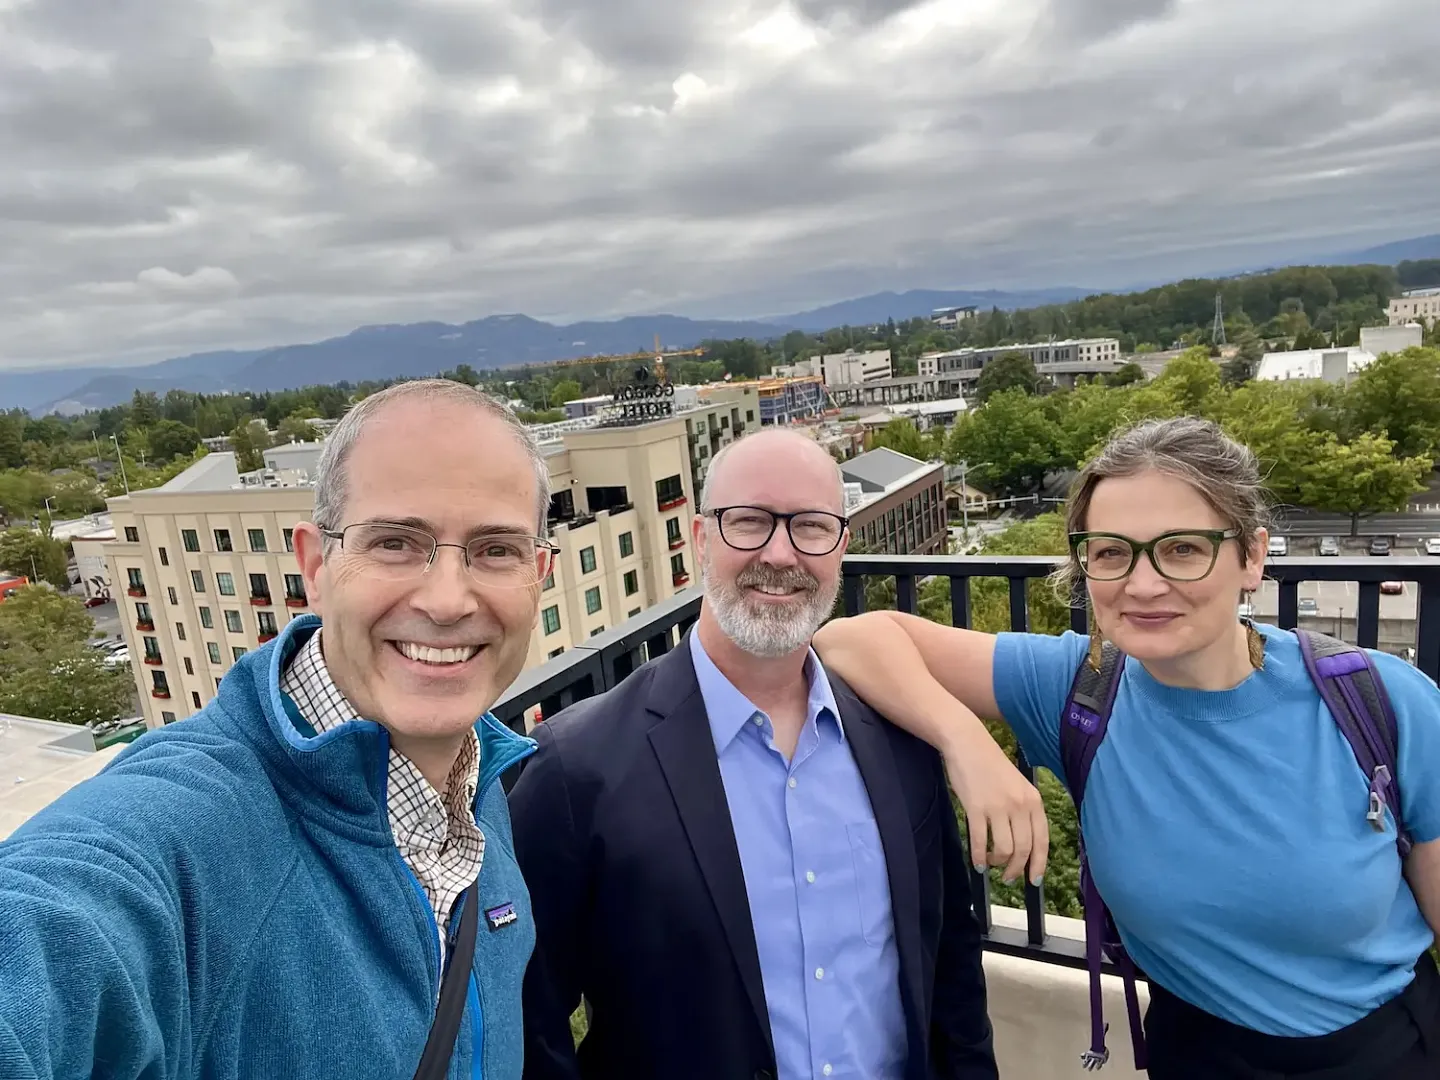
<point>178,176</point>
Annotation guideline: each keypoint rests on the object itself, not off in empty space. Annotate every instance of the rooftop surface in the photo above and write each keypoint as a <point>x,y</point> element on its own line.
<point>883,469</point>
<point>40,760</point>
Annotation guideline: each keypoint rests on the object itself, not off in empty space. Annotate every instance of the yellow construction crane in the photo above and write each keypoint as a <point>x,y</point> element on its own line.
<point>657,357</point>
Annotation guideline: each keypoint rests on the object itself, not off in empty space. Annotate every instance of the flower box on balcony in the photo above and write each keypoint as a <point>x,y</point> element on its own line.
<point>144,625</point>
<point>268,637</point>
<point>160,693</point>
<point>678,542</point>
<point>154,661</point>
<point>135,590</point>
<point>260,601</point>
<point>671,504</point>
<point>680,579</point>
<point>297,601</point>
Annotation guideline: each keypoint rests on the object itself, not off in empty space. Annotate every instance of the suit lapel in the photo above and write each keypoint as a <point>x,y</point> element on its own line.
<point>686,752</point>
<point>871,749</point>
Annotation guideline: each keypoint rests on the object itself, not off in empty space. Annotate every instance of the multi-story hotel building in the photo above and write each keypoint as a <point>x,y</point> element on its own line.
<point>203,568</point>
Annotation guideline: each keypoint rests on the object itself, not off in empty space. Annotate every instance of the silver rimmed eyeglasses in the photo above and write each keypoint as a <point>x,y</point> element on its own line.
<point>749,528</point>
<point>502,560</point>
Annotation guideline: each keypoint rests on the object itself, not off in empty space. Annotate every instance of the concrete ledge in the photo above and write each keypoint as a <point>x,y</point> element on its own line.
<point>1041,1011</point>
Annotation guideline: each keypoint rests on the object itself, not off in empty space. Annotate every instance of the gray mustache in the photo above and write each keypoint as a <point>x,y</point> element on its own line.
<point>777,577</point>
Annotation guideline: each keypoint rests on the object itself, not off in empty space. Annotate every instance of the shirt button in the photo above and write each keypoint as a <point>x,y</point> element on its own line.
<point>810,876</point>
<point>819,973</point>
<point>759,720</point>
<point>792,781</point>
<point>827,1070</point>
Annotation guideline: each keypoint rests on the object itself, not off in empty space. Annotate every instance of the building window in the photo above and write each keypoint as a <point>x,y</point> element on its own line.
<point>237,651</point>
<point>632,582</point>
<point>217,686</point>
<point>633,613</point>
<point>607,498</point>
<point>132,534</point>
<point>550,618</point>
<point>232,622</point>
<point>205,620</point>
<point>597,631</point>
<point>627,545</point>
<point>190,539</point>
<point>257,539</point>
<point>295,590</point>
<point>289,535</point>
<point>669,493</point>
<point>152,649</point>
<point>592,600</point>
<point>214,651</point>
<point>143,617</point>
<point>197,581</point>
<point>549,582</point>
<point>222,540</point>
<point>164,557</point>
<point>224,584</point>
<point>265,620</point>
<point>677,566</point>
<point>159,685</point>
<point>137,581</point>
<point>179,631</point>
<point>189,667</point>
<point>195,698</point>
<point>587,560</point>
<point>557,652</point>
<point>167,717</point>
<point>170,595</point>
<point>672,532</point>
<point>260,588</point>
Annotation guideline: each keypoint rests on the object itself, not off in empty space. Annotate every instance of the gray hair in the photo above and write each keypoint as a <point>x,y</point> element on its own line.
<point>725,450</point>
<point>331,476</point>
<point>1222,471</point>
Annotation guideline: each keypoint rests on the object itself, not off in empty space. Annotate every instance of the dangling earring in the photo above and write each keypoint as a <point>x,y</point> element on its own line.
<point>1254,640</point>
<point>1097,644</point>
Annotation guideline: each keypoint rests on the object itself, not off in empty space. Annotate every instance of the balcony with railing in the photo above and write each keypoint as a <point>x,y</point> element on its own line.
<point>1034,960</point>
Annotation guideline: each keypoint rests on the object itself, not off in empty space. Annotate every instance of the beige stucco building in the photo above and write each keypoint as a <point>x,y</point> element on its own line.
<point>203,568</point>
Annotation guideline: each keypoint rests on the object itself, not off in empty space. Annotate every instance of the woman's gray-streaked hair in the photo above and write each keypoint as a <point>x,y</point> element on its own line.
<point>330,471</point>
<point>1222,471</point>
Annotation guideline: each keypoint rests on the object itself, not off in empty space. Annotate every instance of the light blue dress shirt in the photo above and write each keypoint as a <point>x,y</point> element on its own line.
<point>816,880</point>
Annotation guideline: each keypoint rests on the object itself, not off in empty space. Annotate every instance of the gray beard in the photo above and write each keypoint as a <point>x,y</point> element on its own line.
<point>761,629</point>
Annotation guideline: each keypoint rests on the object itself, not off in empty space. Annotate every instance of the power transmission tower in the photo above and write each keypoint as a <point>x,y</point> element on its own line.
<point>1217,333</point>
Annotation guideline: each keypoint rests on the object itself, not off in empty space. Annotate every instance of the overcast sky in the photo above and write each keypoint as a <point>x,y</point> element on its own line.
<point>178,175</point>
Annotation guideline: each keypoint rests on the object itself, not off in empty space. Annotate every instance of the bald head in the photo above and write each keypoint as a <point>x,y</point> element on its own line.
<point>753,469</point>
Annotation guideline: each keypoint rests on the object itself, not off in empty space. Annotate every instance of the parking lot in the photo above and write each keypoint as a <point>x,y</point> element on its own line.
<point>1335,599</point>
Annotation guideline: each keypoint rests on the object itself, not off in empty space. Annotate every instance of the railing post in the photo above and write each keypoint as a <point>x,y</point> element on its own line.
<point>1034,894</point>
<point>1019,610</point>
<point>1367,620</point>
<point>1427,633</point>
<point>854,587</point>
<point>960,602</point>
<point>905,593</point>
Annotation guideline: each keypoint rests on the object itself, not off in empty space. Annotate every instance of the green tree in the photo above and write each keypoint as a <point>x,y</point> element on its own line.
<point>170,439</point>
<point>298,428</point>
<point>46,668</point>
<point>1399,396</point>
<point>31,554</point>
<point>1011,443</point>
<point>144,409</point>
<point>466,374</point>
<point>903,437</point>
<point>22,494</point>
<point>12,441</point>
<point>1013,370</point>
<point>1364,476</point>
<point>563,391</point>
<point>250,441</point>
<point>1125,375</point>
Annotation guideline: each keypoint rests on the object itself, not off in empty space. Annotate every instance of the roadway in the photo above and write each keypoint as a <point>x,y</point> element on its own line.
<point>1308,523</point>
<point>1336,599</point>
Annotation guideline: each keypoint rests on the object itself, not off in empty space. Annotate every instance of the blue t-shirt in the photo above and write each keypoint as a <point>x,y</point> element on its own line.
<point>1226,831</point>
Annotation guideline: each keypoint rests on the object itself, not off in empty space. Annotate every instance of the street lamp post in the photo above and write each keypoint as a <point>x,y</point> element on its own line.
<point>965,468</point>
<point>120,457</point>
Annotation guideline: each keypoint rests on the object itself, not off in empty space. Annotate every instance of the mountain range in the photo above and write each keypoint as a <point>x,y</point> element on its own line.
<point>396,350</point>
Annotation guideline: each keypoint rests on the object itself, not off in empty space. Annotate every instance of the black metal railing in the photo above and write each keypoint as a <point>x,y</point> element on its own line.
<point>603,661</point>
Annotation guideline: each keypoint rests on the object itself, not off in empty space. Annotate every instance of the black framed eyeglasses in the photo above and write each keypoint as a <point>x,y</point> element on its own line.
<point>1182,555</point>
<point>749,528</point>
<point>399,552</point>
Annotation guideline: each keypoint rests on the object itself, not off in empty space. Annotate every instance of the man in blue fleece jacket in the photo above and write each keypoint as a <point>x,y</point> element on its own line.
<point>271,888</point>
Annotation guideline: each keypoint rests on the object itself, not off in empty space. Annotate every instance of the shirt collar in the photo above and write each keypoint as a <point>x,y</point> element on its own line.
<point>729,710</point>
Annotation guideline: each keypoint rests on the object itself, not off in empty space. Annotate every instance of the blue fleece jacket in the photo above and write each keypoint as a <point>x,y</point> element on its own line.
<point>226,901</point>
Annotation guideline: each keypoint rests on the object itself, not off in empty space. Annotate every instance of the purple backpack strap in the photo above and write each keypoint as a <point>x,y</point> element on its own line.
<point>1082,728</point>
<point>1355,694</point>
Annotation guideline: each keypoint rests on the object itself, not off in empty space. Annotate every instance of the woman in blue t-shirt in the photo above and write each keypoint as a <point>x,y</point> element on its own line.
<point>1224,815</point>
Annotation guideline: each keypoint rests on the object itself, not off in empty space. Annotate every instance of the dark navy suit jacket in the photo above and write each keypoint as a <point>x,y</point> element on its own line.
<point>623,834</point>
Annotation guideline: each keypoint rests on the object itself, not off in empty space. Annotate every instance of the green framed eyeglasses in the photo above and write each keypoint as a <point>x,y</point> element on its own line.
<point>1182,555</point>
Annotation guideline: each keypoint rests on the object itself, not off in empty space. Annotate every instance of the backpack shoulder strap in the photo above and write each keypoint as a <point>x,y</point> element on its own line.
<point>1351,687</point>
<point>1086,717</point>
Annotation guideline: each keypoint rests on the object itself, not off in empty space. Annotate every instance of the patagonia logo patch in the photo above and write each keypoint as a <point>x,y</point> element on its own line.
<point>502,916</point>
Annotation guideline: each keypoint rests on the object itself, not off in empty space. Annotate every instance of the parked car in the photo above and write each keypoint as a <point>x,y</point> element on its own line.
<point>1308,606</point>
<point>1392,587</point>
<point>1329,545</point>
<point>1432,546</point>
<point>1380,545</point>
<point>1278,546</point>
